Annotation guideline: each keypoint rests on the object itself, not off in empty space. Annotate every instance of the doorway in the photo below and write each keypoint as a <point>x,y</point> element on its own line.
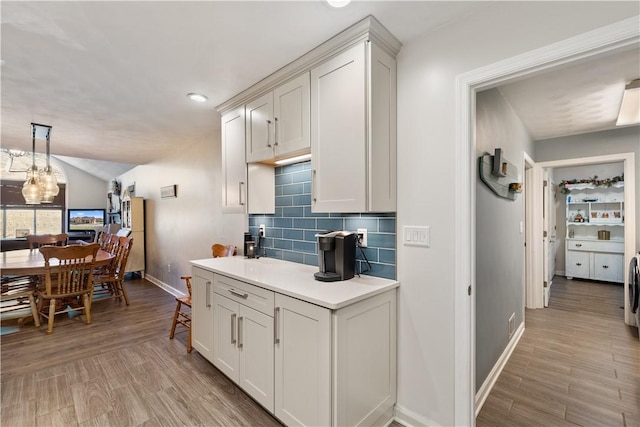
<point>616,36</point>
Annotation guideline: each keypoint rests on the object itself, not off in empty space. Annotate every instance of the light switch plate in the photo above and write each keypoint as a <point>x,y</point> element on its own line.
<point>416,235</point>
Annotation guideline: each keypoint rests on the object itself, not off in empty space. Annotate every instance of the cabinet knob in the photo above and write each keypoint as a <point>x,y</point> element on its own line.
<point>578,245</point>
<point>605,266</point>
<point>578,264</point>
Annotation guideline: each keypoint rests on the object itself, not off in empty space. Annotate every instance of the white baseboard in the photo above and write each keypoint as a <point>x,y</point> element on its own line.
<point>409,418</point>
<point>169,289</point>
<point>484,391</point>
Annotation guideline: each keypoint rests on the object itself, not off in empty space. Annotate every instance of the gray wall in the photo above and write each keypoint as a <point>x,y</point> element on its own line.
<point>605,170</point>
<point>624,140</point>
<point>499,242</point>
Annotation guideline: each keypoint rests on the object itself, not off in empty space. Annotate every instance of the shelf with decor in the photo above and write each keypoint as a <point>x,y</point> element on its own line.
<point>594,246</point>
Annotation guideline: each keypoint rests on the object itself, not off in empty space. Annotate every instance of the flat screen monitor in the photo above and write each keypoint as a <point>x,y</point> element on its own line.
<point>84,220</point>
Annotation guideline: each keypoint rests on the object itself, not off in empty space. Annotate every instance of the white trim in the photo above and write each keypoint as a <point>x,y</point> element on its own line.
<point>410,419</point>
<point>622,34</point>
<point>487,386</point>
<point>169,289</point>
<point>528,213</point>
<point>629,206</point>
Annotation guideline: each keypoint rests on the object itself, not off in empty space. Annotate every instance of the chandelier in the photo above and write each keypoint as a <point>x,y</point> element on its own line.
<point>41,186</point>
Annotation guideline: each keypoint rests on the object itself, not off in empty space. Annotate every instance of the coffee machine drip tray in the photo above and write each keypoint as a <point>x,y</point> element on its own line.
<point>327,277</point>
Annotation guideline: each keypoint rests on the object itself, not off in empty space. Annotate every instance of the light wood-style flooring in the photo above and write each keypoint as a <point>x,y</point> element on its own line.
<point>577,363</point>
<point>122,370</point>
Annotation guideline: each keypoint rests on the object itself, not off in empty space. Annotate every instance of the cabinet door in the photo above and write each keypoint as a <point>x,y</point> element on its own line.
<point>302,363</point>
<point>260,128</point>
<point>577,264</point>
<point>608,267</point>
<point>291,105</point>
<point>202,313</point>
<point>225,336</point>
<point>338,132</point>
<point>234,167</point>
<point>255,343</point>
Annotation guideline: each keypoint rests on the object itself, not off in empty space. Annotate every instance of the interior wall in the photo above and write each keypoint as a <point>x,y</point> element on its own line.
<point>83,190</point>
<point>183,228</point>
<point>499,234</point>
<point>605,170</point>
<point>616,141</point>
<point>427,69</point>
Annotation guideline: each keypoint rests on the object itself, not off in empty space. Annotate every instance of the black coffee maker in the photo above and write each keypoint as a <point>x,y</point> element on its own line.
<point>336,256</point>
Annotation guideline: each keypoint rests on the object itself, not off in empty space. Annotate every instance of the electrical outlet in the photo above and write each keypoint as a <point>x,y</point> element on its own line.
<point>362,237</point>
<point>262,230</point>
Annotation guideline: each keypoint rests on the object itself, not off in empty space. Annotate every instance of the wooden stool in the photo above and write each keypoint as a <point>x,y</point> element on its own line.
<point>182,317</point>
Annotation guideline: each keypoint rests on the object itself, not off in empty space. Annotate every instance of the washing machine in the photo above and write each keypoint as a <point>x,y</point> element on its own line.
<point>634,288</point>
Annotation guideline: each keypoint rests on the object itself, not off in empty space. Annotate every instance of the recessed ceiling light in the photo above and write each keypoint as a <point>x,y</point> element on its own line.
<point>338,3</point>
<point>197,97</point>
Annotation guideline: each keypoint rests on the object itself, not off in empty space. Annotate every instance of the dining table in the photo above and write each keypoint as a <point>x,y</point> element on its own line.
<point>30,262</point>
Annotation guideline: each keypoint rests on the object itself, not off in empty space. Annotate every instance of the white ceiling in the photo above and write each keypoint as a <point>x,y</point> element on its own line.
<point>112,77</point>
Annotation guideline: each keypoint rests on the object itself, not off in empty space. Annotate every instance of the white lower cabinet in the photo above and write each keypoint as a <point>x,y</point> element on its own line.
<point>608,267</point>
<point>306,364</point>
<point>595,259</point>
<point>303,362</point>
<point>202,312</point>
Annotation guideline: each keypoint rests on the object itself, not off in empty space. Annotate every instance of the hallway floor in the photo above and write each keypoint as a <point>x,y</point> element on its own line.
<point>577,363</point>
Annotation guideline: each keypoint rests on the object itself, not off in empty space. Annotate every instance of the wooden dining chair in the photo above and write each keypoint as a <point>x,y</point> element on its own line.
<point>18,293</point>
<point>220,250</point>
<point>109,282</point>
<point>184,317</point>
<point>38,240</point>
<point>67,282</point>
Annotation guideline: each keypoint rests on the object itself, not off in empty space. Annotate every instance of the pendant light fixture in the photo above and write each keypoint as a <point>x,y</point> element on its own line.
<point>40,187</point>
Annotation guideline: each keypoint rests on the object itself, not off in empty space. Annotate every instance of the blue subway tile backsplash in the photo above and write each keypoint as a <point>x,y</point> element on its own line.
<point>290,232</point>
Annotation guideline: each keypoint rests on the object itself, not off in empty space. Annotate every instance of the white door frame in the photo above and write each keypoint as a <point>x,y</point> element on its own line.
<point>621,35</point>
<point>629,208</point>
<point>528,238</point>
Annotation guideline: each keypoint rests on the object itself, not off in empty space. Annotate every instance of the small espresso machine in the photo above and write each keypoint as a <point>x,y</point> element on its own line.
<point>336,256</point>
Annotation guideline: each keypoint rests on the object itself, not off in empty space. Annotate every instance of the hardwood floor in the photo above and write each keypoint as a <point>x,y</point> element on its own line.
<point>576,364</point>
<point>122,370</point>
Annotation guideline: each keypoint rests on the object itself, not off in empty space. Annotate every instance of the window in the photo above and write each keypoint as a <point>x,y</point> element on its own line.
<point>18,219</point>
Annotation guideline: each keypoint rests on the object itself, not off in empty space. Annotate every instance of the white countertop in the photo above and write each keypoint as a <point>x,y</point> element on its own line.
<point>296,280</point>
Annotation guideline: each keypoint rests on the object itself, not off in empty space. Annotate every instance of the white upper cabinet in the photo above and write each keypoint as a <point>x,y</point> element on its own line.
<point>291,105</point>
<point>234,166</point>
<point>260,123</point>
<point>278,121</point>
<point>353,138</point>
<point>337,102</point>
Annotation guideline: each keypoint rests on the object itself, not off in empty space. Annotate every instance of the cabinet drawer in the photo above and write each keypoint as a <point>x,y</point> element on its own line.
<point>595,246</point>
<point>577,264</point>
<point>244,293</point>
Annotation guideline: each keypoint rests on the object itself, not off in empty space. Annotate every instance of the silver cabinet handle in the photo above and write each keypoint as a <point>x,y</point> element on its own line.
<point>276,330</point>
<point>275,142</point>
<point>233,328</point>
<point>268,136</point>
<point>240,184</point>
<point>238,294</point>
<point>578,245</point>
<point>240,322</point>
<point>313,186</point>
<point>208,294</point>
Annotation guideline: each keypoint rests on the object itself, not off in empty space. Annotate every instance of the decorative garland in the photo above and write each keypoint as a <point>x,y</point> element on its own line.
<point>608,182</point>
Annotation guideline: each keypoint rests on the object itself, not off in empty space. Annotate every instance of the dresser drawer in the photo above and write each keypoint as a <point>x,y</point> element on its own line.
<point>595,246</point>
<point>258,298</point>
